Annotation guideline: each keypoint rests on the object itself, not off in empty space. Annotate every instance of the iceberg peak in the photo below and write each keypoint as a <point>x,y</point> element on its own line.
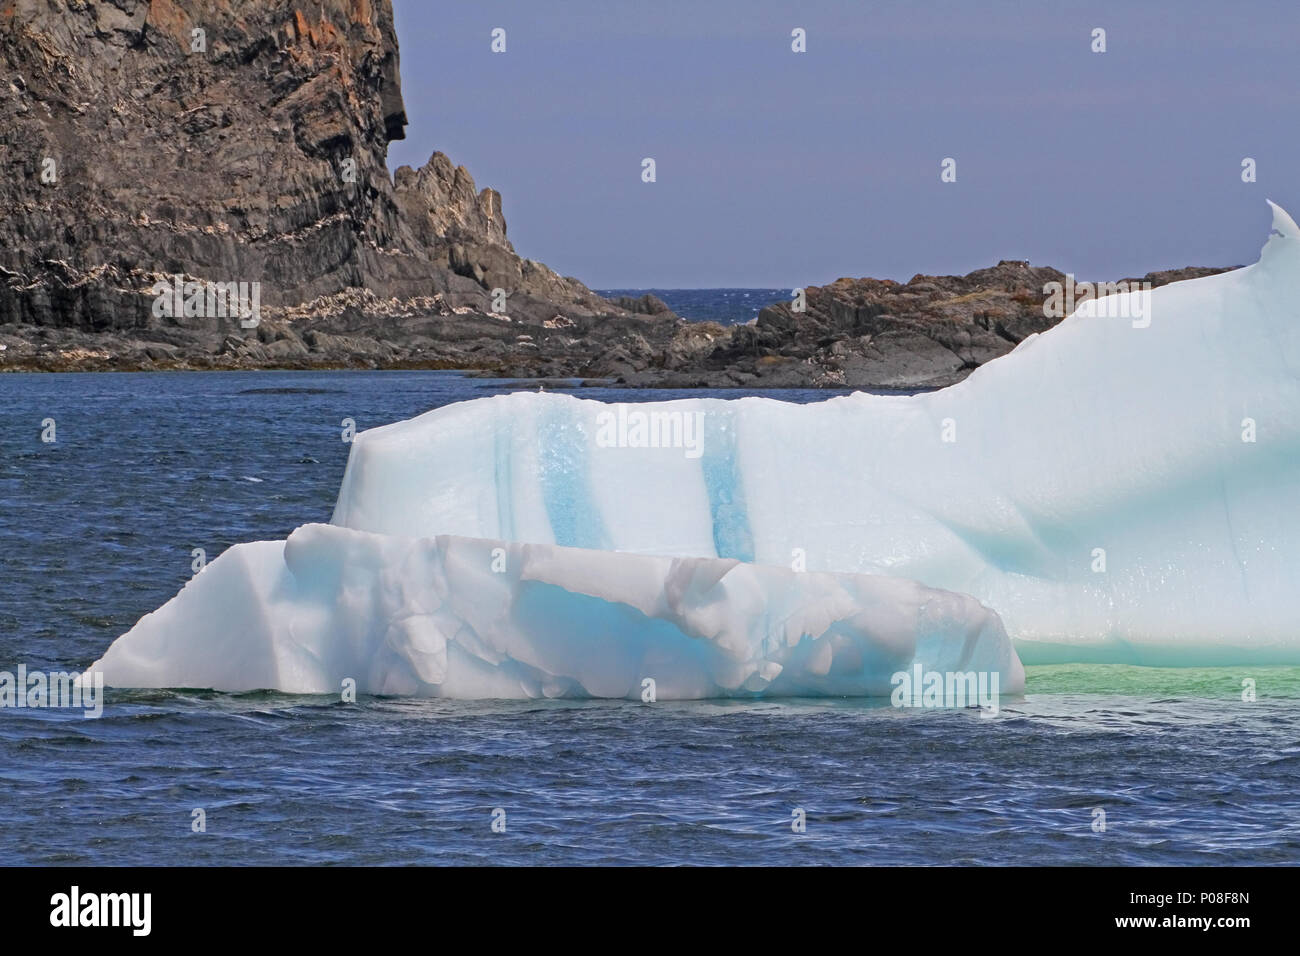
<point>1283,225</point>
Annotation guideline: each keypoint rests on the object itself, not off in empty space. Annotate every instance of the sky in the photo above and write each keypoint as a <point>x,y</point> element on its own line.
<point>783,169</point>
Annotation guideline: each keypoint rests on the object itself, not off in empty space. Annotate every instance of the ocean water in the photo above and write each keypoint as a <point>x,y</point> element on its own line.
<point>726,306</point>
<point>97,529</point>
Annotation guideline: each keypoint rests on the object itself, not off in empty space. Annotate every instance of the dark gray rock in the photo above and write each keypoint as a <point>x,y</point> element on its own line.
<point>132,156</point>
<point>648,304</point>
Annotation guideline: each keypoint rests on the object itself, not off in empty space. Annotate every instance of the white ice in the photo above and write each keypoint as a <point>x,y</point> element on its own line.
<point>1100,492</point>
<point>473,618</point>
<point>1117,489</point>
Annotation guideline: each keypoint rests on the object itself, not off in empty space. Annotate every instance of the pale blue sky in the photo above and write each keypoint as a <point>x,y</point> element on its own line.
<point>784,169</point>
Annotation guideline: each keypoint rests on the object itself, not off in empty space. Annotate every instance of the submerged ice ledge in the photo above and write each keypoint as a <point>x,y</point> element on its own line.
<point>472,618</point>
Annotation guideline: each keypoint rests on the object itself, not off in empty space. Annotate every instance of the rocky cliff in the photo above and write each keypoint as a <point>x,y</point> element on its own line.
<point>245,141</point>
<point>234,141</point>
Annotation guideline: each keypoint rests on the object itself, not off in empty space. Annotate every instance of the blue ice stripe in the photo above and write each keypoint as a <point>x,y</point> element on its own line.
<point>564,453</point>
<point>732,537</point>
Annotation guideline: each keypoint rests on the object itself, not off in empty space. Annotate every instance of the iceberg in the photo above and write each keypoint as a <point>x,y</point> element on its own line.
<point>473,618</point>
<point>1122,487</point>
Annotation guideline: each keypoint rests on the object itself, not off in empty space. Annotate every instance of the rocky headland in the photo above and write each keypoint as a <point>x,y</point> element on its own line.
<point>216,142</point>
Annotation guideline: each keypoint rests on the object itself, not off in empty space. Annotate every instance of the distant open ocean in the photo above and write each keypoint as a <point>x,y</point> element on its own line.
<point>727,306</point>
<point>97,530</point>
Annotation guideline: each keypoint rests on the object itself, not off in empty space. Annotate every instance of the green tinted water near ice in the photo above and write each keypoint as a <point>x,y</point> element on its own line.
<point>1211,683</point>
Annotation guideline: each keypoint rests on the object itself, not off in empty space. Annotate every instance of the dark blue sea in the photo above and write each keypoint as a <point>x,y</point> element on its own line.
<point>726,306</point>
<point>97,528</point>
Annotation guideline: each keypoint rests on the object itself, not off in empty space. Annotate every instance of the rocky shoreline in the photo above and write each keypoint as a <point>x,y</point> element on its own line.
<point>855,333</point>
<point>212,144</point>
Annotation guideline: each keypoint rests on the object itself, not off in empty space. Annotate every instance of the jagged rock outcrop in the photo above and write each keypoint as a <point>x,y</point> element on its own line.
<point>648,304</point>
<point>232,140</point>
<point>931,330</point>
<point>464,231</point>
<point>877,333</point>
